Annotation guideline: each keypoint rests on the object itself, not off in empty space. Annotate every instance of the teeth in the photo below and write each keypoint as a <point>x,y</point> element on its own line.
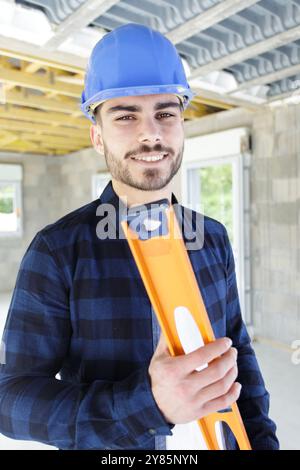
<point>150,159</point>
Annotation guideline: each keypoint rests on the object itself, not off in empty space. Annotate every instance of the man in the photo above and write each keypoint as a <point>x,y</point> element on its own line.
<point>80,309</point>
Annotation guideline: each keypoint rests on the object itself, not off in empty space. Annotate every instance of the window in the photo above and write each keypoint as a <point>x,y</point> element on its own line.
<point>99,181</point>
<point>216,183</point>
<point>10,200</point>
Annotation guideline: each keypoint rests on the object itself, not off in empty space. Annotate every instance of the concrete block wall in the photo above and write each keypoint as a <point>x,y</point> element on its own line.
<point>275,214</point>
<point>34,214</point>
<point>52,187</point>
<point>275,197</point>
<point>75,172</point>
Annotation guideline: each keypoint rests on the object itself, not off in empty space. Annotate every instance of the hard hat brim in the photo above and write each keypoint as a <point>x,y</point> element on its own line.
<point>88,107</point>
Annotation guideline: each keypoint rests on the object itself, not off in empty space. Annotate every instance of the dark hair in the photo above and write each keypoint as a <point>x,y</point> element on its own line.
<point>97,113</point>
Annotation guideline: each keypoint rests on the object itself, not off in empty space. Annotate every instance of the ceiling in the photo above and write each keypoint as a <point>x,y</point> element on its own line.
<point>242,53</point>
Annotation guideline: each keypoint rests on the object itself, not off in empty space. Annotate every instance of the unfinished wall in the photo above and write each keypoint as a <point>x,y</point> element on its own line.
<point>275,214</point>
<point>275,224</point>
<point>76,171</point>
<point>35,214</point>
<point>52,187</point>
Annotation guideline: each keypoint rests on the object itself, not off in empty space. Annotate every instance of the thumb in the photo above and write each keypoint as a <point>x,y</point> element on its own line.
<point>162,347</point>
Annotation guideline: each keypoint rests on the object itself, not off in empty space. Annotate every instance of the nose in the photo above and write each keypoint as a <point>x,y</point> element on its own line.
<point>149,130</point>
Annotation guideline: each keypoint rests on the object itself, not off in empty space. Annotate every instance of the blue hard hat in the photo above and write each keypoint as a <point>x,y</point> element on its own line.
<point>133,60</point>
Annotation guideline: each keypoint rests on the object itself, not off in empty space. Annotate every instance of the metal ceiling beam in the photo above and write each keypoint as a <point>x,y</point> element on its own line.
<point>224,98</point>
<point>81,17</point>
<point>207,19</point>
<point>31,53</point>
<point>282,96</point>
<point>269,78</point>
<point>247,52</point>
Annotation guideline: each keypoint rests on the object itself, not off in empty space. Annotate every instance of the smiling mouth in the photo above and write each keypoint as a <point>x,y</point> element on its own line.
<point>150,160</point>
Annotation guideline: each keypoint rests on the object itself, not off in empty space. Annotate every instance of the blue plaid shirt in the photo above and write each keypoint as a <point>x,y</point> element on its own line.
<point>80,309</point>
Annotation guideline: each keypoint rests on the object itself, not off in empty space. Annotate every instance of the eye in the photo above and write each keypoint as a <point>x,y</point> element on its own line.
<point>162,114</point>
<point>122,118</point>
<point>126,118</point>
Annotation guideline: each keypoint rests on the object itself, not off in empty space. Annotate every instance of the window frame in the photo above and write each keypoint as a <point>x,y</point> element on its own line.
<point>241,215</point>
<point>13,175</point>
<point>103,176</point>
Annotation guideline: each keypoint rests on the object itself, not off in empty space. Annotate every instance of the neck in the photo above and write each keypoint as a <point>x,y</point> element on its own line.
<point>132,196</point>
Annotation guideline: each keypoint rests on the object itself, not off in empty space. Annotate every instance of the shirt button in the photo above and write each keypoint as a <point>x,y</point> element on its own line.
<point>152,431</point>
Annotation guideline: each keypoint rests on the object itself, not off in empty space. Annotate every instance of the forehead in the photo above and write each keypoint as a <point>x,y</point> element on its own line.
<point>141,102</point>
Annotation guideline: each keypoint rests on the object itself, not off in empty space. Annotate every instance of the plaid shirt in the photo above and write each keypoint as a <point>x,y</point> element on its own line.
<point>80,309</point>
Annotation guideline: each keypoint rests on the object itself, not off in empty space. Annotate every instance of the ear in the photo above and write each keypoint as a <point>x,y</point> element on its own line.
<point>96,138</point>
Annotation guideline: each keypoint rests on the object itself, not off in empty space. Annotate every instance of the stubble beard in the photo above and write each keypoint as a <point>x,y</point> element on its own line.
<point>152,179</point>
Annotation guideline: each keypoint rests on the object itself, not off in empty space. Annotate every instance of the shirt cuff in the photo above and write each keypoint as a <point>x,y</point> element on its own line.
<point>136,407</point>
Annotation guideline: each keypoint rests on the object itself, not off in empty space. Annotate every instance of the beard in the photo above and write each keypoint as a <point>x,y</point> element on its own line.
<point>147,179</point>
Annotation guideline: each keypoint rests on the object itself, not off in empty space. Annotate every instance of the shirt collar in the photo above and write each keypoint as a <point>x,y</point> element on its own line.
<point>109,196</point>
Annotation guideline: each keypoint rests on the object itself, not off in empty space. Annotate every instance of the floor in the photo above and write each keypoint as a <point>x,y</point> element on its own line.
<point>282,379</point>
<point>281,375</point>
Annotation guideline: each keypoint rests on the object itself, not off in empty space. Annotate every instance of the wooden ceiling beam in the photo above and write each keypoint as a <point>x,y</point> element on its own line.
<point>7,138</point>
<point>28,80</point>
<point>212,102</point>
<point>24,126</point>
<point>38,150</point>
<point>30,100</point>
<point>68,141</point>
<point>10,112</point>
<point>27,146</point>
<point>33,67</point>
<point>21,146</point>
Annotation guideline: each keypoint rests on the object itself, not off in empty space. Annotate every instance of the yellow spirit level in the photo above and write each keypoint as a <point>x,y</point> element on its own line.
<point>156,243</point>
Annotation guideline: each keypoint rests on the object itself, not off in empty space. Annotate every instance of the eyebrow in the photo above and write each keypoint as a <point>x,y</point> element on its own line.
<point>137,109</point>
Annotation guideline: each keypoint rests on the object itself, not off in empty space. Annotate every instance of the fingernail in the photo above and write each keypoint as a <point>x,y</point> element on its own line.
<point>228,342</point>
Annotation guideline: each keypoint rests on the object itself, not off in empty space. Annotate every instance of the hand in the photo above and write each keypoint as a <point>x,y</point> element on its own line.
<point>184,394</point>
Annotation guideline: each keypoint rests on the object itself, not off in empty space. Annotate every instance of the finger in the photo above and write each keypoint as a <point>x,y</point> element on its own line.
<point>221,403</point>
<point>220,388</point>
<point>204,355</point>
<point>216,370</point>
